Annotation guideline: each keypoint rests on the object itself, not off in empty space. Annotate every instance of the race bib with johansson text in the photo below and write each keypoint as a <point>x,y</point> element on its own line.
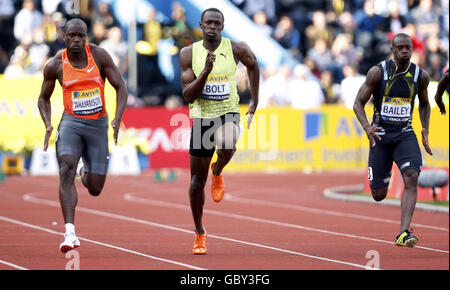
<point>217,87</point>
<point>87,102</point>
<point>396,109</point>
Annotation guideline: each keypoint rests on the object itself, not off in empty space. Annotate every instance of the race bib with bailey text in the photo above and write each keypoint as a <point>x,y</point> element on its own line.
<point>396,109</point>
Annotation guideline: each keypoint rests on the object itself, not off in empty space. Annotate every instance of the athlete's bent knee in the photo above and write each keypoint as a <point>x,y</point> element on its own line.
<point>379,194</point>
<point>410,178</point>
<point>197,184</point>
<point>95,191</point>
<point>225,153</point>
<point>66,170</point>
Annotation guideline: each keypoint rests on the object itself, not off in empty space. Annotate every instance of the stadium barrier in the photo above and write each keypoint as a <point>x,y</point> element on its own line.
<point>280,139</point>
<point>396,187</point>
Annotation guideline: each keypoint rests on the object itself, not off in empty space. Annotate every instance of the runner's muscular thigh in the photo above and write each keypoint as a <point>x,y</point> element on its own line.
<point>227,136</point>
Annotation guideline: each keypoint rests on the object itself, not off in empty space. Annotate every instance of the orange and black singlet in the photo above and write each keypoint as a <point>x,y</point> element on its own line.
<point>83,89</point>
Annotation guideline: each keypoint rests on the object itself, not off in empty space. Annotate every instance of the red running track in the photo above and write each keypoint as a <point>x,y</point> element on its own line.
<point>266,222</point>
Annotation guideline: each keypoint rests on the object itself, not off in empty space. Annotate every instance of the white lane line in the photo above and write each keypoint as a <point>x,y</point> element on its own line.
<point>132,198</point>
<point>17,222</point>
<point>13,265</point>
<point>29,198</point>
<point>321,211</point>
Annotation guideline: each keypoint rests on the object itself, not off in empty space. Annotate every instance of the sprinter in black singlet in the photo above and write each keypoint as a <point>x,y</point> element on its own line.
<point>394,85</point>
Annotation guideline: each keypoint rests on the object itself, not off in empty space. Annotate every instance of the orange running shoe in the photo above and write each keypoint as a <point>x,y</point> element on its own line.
<point>199,244</point>
<point>218,186</point>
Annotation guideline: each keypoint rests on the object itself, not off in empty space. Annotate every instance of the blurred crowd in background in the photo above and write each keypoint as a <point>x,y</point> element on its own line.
<point>334,41</point>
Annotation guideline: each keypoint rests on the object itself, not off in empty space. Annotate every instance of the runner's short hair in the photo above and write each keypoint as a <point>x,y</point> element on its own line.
<point>400,35</point>
<point>75,21</point>
<point>214,10</point>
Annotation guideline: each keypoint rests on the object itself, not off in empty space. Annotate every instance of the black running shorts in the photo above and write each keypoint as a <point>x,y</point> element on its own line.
<point>399,147</point>
<point>84,138</point>
<point>202,143</point>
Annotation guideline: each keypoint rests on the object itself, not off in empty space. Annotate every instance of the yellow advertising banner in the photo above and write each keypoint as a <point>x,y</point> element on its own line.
<point>22,125</point>
<point>279,138</point>
<point>323,139</point>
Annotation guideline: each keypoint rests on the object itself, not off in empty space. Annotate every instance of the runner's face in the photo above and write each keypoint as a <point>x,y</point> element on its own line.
<point>402,49</point>
<point>75,38</point>
<point>211,26</point>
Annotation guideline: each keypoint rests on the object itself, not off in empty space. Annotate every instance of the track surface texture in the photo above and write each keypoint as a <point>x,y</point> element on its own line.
<point>267,221</point>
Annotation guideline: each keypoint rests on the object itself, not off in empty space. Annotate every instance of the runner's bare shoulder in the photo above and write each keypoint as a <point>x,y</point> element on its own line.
<point>186,55</point>
<point>100,54</point>
<point>53,66</point>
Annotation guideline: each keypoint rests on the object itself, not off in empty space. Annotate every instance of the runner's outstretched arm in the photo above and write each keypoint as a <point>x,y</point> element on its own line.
<point>424,110</point>
<point>115,78</point>
<point>363,96</point>
<point>45,109</point>
<point>442,85</point>
<point>246,56</point>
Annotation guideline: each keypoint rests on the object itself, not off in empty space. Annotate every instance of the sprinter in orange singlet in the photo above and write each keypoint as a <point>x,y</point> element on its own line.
<point>81,70</point>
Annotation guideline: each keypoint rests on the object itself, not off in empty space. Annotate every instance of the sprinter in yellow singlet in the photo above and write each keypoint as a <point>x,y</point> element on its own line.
<point>208,79</point>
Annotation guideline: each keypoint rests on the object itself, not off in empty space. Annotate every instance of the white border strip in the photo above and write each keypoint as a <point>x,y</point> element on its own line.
<point>13,265</point>
<point>383,64</point>
<point>336,193</point>
<point>236,199</point>
<point>99,243</point>
<point>132,198</point>
<point>416,73</point>
<point>29,198</point>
